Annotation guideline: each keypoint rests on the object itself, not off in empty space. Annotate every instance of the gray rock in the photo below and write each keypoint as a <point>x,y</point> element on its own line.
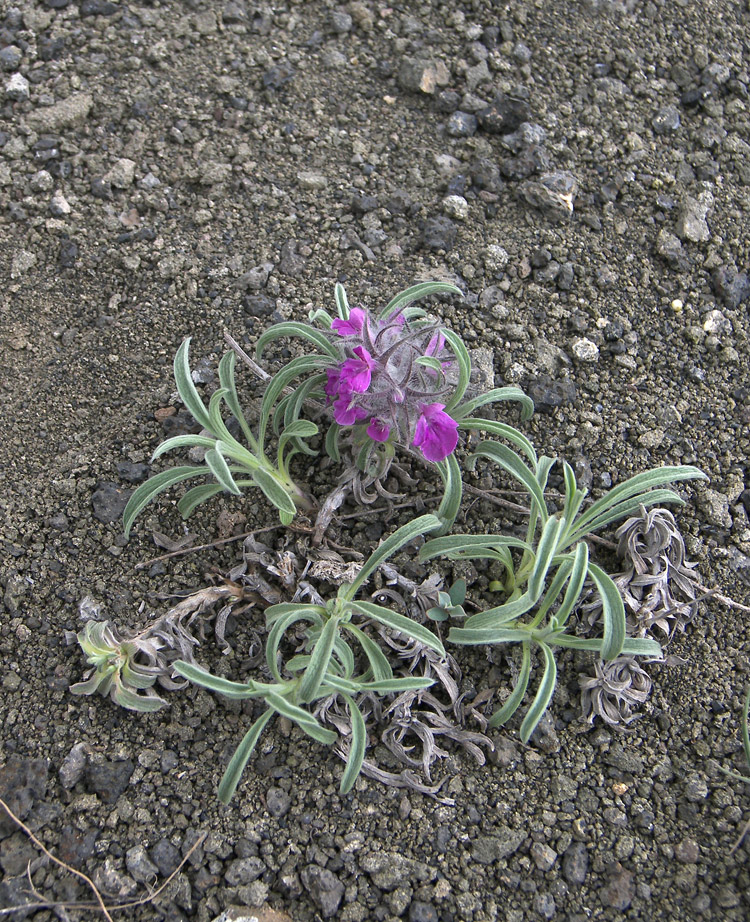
<point>504,842</point>
<point>73,766</point>
<point>503,115</point>
<point>23,782</point>
<point>731,286</point>
<point>696,789</point>
<point>584,350</point>
<point>495,259</point>
<point>419,911</point>
<point>109,501</point>
<point>575,863</point>
<point>544,857</point>
<point>439,234</point>
<point>244,871</point>
<point>666,120</point>
<point>553,194</point>
<point>619,890</point>
<point>109,779</point>
<point>41,181</point>
<point>10,57</point>
<point>165,856</point>
<point>544,905</point>
<point>715,507</point>
<point>278,802</point>
<point>691,219</point>
<point>255,278</point>
<point>17,87</point>
<point>456,206</point>
<point>114,884</point>
<point>59,205</point>
<point>121,174</point>
<point>669,248</point>
<point>340,21</point>
<point>420,75</point>
<point>65,114</point>
<point>461,124</point>
<point>139,865</point>
<point>325,889</point>
<point>548,393</point>
<point>390,870</point>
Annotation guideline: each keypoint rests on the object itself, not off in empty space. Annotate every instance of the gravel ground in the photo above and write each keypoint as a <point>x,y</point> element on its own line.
<point>581,171</point>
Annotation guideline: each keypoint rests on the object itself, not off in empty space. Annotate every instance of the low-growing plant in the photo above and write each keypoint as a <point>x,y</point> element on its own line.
<point>228,464</point>
<point>327,665</point>
<point>544,587</point>
<point>390,379</point>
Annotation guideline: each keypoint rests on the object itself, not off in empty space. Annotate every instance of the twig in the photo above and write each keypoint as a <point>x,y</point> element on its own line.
<point>205,547</point>
<point>724,599</point>
<point>99,904</point>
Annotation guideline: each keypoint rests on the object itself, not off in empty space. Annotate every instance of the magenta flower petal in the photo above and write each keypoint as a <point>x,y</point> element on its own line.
<point>435,345</point>
<point>356,374</point>
<point>378,430</point>
<point>353,326</point>
<point>331,387</point>
<point>436,433</point>
<point>346,413</point>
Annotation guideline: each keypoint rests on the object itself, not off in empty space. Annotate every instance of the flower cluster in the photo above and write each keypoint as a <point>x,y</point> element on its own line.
<point>391,381</point>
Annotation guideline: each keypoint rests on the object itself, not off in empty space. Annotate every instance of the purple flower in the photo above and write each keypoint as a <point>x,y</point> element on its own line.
<point>356,374</point>
<point>378,430</point>
<point>345,411</point>
<point>436,434</point>
<point>353,326</point>
<point>331,387</point>
<point>436,344</point>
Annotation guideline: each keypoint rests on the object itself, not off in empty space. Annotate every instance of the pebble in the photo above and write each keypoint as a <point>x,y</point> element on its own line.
<point>278,802</point>
<point>456,206</point>
<point>461,124</point>
<point>544,856</point>
<point>59,205</point>
<point>22,261</point>
<point>121,174</point>
<point>108,780</point>
<point>68,113</point>
<point>311,180</point>
<point>417,75</point>
<point>669,247</point>
<point>503,115</point>
<point>109,501</point>
<point>666,120</point>
<point>325,889</point>
<point>114,884</point>
<point>495,258</point>
<point>419,911</point>
<point>73,766</point>
<point>585,350</point>
<point>439,234</point>
<point>619,890</point>
<point>731,286</point>
<point>243,871</point>
<point>504,842</point>
<point>715,507</point>
<point>17,87</point>
<point>10,57</point>
<point>548,393</point>
<point>691,219</point>
<point>165,856</point>
<point>139,865</point>
<point>553,194</point>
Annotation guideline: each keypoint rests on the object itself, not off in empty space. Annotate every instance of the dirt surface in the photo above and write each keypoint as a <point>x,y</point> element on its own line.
<point>178,168</point>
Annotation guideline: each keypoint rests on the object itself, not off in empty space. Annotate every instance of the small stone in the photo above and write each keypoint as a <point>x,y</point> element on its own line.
<point>461,124</point>
<point>687,851</point>
<point>456,206</point>
<point>165,856</point>
<point>666,120</point>
<point>244,871</point>
<point>65,114</point>
<point>715,506</point>
<point>731,286</point>
<point>503,115</point>
<point>121,174</point>
<point>325,889</point>
<point>22,261</point>
<point>544,856</point>
<point>255,278</point>
<point>59,205</point>
<point>73,766</point>
<point>139,865</point>
<point>669,247</point>
<point>495,259</point>
<point>553,194</point>
<point>505,841</point>
<point>114,884</point>
<point>420,911</point>
<point>109,779</point>
<point>17,87</point>
<point>575,863</point>
<point>10,57</point>
<point>691,220</point>
<point>439,234</point>
<point>619,891</point>
<point>417,75</point>
<point>340,21</point>
<point>311,180</point>
<point>109,501</point>
<point>715,322</point>
<point>585,350</point>
<point>544,905</point>
<point>278,802</point>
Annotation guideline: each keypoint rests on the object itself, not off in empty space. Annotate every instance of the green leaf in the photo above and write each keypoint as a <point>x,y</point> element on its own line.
<point>546,549</point>
<point>228,384</point>
<point>197,495</point>
<point>153,487</point>
<point>429,362</point>
<point>313,613</point>
<point>457,592</point>
<point>463,361</point>
<point>543,696</point>
<point>319,660</point>
<point>633,487</point>
<point>292,328</point>
<point>381,668</point>
<point>414,293</point>
<point>242,753</point>
<point>146,704</point>
<point>573,496</point>
<point>454,546</point>
<point>183,441</point>
<point>613,613</point>
<point>622,510</point>
<point>218,466</point>
<point>507,459</point>
<point>321,315</point>
<point>473,636</point>
<point>502,429</point>
<point>186,389</point>
<point>502,614</point>
<point>199,676</point>
<point>332,441</point>
<point>453,491</point>
<point>496,395</point>
<point>274,492</point>
<point>304,720</point>
<point>357,746</point>
<point>393,543</point>
<point>279,625</point>
<point>502,715</point>
<point>398,622</point>
<point>575,586</point>
<point>397,685</point>
<point>342,302</point>
<point>304,364</point>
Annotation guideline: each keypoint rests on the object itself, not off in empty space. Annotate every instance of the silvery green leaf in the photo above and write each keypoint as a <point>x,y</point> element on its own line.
<point>463,360</point>
<point>197,495</point>
<point>186,389</point>
<point>510,462</point>
<point>152,487</point>
<point>304,720</point>
<point>502,429</point>
<point>585,526</point>
<point>613,613</point>
<point>319,660</point>
<point>501,614</point>
<point>502,715</point>
<point>183,441</point>
<point>578,576</point>
<point>342,302</point>
<point>239,760</point>
<point>414,293</point>
<point>471,636</point>
<point>546,549</point>
<point>429,361</point>
<point>543,696</point>
<point>227,382</point>
<point>381,668</point>
<point>216,463</point>
<point>452,492</point>
<point>199,676</point>
<point>455,545</point>
<point>292,328</point>
<point>275,492</point>
<point>357,746</point>
<point>401,623</point>
<point>146,704</point>
<point>496,395</point>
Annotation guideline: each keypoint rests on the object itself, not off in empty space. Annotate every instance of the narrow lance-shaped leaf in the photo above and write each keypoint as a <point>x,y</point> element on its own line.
<point>274,491</point>
<point>505,431</point>
<point>453,491</point>
<point>502,715</point>
<point>510,462</point>
<point>227,382</point>
<point>186,389</point>
<point>239,760</point>
<point>414,293</point>
<point>357,746</point>
<point>216,463</point>
<point>319,660</point>
<point>400,537</point>
<point>400,623</point>
<point>463,361</point>
<point>613,613</point>
<point>153,487</point>
<point>304,720</point>
<point>342,302</point>
<point>496,395</point>
<point>292,328</point>
<point>543,696</point>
